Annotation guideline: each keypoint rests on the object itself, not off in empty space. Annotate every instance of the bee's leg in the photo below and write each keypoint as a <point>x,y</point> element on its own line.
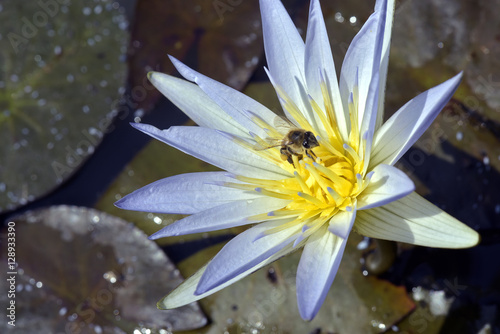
<point>311,154</point>
<point>289,154</point>
<point>284,153</point>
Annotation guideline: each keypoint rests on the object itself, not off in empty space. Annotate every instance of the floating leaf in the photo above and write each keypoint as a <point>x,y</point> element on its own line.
<point>80,270</point>
<point>62,68</point>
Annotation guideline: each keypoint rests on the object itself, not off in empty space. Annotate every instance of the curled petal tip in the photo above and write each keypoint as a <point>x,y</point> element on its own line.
<point>119,203</point>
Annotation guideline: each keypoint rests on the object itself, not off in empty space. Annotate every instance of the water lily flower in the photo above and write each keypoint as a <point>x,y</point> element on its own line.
<point>309,196</point>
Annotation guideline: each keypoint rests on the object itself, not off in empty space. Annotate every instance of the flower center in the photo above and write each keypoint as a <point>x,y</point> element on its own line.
<point>325,182</point>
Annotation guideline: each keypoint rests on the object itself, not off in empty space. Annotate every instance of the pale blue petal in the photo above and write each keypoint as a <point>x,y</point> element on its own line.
<point>384,62</point>
<point>318,266</point>
<point>361,64</point>
<point>403,129</point>
<point>367,128</point>
<point>233,102</point>
<point>189,98</point>
<point>318,57</point>
<point>184,194</point>
<point>414,220</point>
<point>243,252</point>
<point>341,223</point>
<point>232,214</point>
<point>387,184</point>
<point>216,149</point>
<point>285,51</point>
<point>308,115</point>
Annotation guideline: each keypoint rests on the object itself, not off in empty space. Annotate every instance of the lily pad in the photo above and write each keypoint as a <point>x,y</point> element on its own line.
<point>62,72</point>
<point>81,270</point>
<point>265,302</point>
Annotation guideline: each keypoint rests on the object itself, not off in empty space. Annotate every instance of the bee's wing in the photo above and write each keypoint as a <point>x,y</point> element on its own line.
<point>269,143</point>
<point>282,125</point>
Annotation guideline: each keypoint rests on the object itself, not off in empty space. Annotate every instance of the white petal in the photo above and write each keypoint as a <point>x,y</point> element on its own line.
<point>341,223</point>
<point>243,252</point>
<point>227,215</point>
<point>233,102</point>
<point>414,220</point>
<point>318,266</point>
<point>184,194</point>
<point>185,293</point>
<point>216,149</point>
<point>387,184</point>
<point>401,131</point>
<point>284,52</point>
<point>384,62</point>
<point>361,65</point>
<point>189,98</point>
<point>318,58</point>
<point>308,115</point>
<point>367,128</point>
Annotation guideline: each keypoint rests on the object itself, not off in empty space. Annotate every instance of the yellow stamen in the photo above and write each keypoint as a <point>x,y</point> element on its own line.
<point>311,199</point>
<point>301,182</point>
<point>292,109</point>
<point>273,194</point>
<point>341,185</point>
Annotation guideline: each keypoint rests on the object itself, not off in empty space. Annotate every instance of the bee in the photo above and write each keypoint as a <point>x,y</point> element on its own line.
<point>296,142</point>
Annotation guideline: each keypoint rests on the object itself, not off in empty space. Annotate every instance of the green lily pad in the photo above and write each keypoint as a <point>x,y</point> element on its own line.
<point>62,69</point>
<point>265,301</point>
<point>81,270</point>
